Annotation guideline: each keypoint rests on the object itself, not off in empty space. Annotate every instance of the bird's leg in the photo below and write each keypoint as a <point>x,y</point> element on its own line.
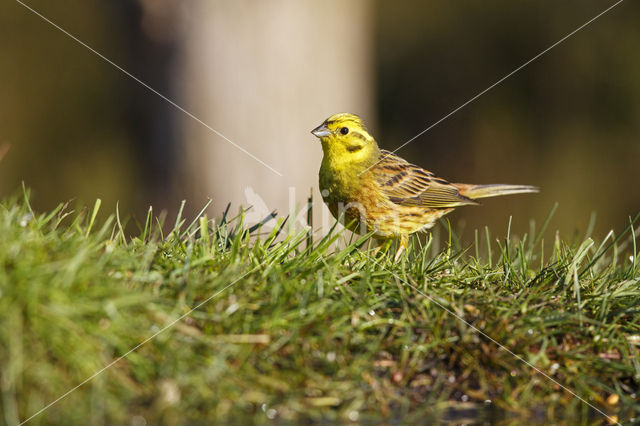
<point>404,241</point>
<point>383,246</point>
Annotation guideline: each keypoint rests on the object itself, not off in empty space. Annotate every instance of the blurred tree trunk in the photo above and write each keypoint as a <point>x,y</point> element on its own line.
<point>264,74</point>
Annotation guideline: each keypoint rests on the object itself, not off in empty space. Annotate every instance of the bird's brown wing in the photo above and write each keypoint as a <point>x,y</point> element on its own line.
<point>409,185</point>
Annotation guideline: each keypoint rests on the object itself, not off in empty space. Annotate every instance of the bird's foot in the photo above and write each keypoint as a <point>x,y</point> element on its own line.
<point>398,253</point>
<point>383,247</point>
<point>404,241</point>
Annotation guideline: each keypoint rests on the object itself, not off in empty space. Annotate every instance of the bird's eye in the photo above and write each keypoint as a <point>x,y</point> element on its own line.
<point>344,130</point>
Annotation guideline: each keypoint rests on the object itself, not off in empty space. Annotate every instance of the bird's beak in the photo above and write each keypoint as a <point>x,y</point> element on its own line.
<point>321,131</point>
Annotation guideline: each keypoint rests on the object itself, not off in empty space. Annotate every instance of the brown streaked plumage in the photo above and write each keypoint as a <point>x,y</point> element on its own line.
<point>375,190</point>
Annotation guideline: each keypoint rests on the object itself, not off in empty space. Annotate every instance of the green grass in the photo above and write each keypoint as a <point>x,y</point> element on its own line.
<point>292,332</point>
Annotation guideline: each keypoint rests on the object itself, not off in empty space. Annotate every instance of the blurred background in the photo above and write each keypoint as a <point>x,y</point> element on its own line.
<point>228,91</point>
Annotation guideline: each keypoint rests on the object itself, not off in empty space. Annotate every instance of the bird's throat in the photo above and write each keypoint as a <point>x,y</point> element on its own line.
<point>342,173</point>
<point>351,158</point>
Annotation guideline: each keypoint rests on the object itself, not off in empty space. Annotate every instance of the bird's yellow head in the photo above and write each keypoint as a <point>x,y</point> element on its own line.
<point>346,142</point>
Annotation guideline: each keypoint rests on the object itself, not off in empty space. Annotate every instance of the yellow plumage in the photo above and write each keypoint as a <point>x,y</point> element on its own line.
<point>375,190</point>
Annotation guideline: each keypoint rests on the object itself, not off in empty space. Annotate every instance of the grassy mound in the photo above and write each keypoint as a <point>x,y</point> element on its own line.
<point>215,321</point>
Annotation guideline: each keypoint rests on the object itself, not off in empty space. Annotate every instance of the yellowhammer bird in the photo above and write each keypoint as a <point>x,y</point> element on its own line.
<point>375,190</point>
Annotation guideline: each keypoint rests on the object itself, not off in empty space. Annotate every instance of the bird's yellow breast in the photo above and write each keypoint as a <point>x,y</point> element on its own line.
<point>363,208</point>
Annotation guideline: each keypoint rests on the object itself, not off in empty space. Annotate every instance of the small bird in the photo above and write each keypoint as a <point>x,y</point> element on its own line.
<point>372,189</point>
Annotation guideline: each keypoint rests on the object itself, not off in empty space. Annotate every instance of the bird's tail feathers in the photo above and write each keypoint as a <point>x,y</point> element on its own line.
<point>494,190</point>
